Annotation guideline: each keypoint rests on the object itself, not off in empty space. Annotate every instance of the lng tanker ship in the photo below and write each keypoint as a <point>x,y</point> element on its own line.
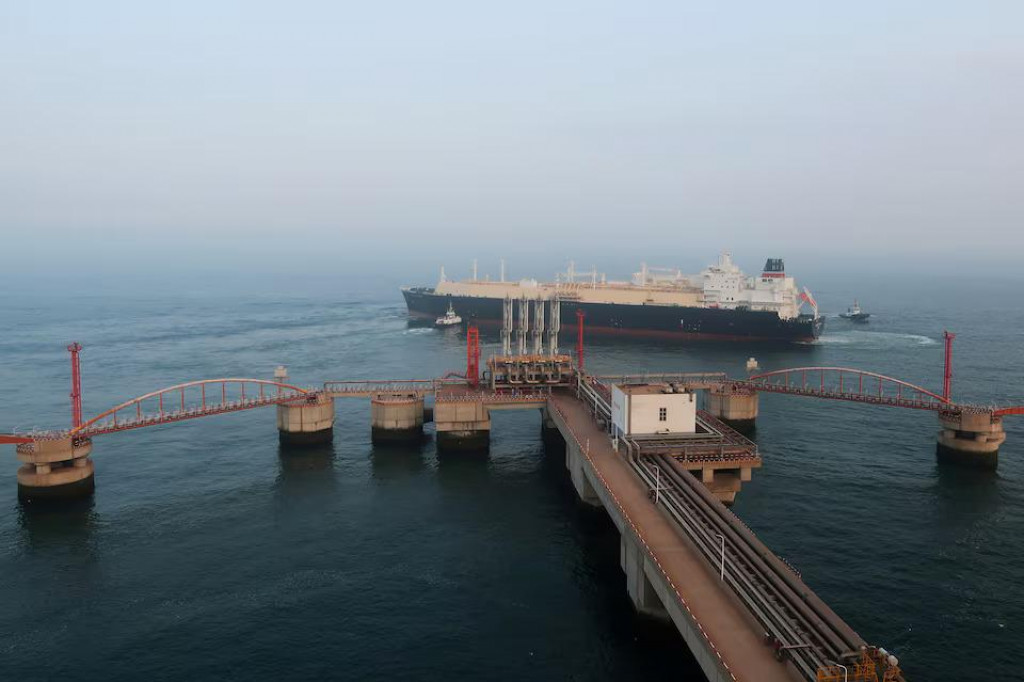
<point>720,303</point>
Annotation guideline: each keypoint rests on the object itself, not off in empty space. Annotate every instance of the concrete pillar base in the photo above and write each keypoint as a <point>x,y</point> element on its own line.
<point>303,423</point>
<point>305,438</point>
<point>736,408</point>
<point>723,480</point>
<point>464,441</point>
<point>549,433</point>
<point>641,592</point>
<point>970,439</point>
<point>57,468</point>
<point>83,487</point>
<point>396,418</point>
<point>381,436</point>
<point>975,460</point>
<point>552,439</point>
<point>723,483</point>
<point>574,463</point>
<point>462,426</point>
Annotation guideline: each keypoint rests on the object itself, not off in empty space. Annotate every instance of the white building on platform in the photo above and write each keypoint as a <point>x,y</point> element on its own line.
<point>651,409</point>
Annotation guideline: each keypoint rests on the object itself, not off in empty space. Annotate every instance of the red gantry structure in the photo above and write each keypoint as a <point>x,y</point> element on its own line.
<point>473,355</point>
<point>76,385</point>
<point>947,372</point>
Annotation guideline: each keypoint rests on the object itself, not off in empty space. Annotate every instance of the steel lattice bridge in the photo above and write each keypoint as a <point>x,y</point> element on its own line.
<point>211,397</point>
<point>845,383</point>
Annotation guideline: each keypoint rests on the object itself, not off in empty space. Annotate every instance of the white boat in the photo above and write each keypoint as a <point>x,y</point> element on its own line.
<point>449,319</point>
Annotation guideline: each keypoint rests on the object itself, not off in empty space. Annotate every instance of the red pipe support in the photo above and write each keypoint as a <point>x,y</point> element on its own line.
<point>947,373</point>
<point>473,355</point>
<point>76,385</point>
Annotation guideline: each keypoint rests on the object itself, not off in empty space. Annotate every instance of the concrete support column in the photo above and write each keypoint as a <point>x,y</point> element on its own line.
<point>723,479</point>
<point>396,418</point>
<point>462,426</point>
<point>306,422</point>
<point>57,468</point>
<point>549,433</point>
<point>574,462</point>
<point>970,439</point>
<point>724,483</point>
<point>736,407</point>
<point>634,562</point>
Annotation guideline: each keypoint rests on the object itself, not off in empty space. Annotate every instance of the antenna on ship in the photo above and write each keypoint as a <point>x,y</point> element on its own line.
<point>443,278</point>
<point>502,269</point>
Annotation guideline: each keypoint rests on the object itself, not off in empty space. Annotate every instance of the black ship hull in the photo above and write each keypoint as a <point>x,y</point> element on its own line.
<point>666,321</point>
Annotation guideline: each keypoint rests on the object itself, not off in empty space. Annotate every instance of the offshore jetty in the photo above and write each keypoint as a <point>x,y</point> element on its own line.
<point>640,447</point>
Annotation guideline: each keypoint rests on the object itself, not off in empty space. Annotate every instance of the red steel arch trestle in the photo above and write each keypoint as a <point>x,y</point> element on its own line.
<point>844,383</point>
<point>190,401</point>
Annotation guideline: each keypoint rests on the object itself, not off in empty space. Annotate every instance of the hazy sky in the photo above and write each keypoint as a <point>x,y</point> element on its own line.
<point>145,133</point>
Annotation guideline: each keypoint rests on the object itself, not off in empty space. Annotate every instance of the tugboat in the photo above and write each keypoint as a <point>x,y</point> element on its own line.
<point>855,314</point>
<point>449,319</point>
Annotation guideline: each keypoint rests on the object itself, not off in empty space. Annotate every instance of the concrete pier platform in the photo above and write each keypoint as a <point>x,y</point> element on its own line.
<point>970,438</point>
<point>304,423</point>
<point>724,479</point>
<point>55,469</point>
<point>735,406</point>
<point>396,418</point>
<point>665,574</point>
<point>462,425</point>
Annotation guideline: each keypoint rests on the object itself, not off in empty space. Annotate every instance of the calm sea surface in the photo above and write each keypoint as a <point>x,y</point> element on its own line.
<point>207,553</point>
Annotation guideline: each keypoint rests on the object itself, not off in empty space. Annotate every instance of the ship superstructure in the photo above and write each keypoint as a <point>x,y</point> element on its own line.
<point>719,302</point>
